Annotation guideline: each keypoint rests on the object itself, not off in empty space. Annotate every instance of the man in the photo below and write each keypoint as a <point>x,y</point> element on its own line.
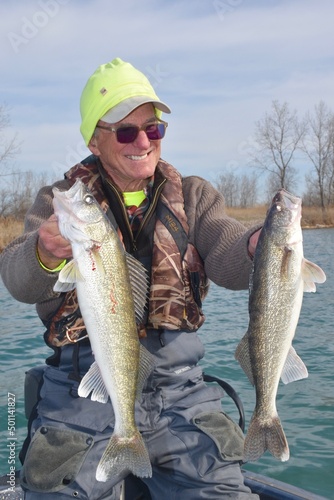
<point>195,450</point>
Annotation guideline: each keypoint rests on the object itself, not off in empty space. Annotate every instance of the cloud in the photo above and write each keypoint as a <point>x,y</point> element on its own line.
<point>219,64</point>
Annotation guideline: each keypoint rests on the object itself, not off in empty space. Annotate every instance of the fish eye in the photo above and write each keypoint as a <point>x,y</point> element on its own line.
<point>279,208</point>
<point>89,199</point>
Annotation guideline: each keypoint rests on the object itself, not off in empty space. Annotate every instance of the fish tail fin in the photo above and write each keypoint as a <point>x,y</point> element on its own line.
<point>269,436</point>
<point>124,454</point>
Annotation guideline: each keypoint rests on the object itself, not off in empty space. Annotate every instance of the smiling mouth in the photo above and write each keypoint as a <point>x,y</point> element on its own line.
<point>137,157</point>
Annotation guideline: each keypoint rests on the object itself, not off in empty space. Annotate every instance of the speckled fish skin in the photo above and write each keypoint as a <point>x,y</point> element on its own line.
<point>279,278</point>
<point>100,272</point>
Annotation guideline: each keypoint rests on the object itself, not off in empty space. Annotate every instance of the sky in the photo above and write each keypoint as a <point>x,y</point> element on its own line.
<point>218,64</point>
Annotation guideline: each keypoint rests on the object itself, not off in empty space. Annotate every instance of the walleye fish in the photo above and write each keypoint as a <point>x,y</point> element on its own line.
<point>280,276</point>
<point>111,288</point>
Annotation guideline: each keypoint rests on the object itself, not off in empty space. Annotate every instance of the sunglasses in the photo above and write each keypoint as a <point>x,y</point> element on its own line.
<point>129,133</point>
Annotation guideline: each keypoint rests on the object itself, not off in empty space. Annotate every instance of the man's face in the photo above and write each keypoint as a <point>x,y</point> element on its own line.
<point>129,165</point>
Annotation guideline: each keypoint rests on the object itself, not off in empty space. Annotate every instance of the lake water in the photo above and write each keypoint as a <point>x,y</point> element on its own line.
<point>306,407</point>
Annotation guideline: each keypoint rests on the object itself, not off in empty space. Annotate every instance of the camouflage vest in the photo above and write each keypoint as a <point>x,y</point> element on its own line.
<point>178,281</point>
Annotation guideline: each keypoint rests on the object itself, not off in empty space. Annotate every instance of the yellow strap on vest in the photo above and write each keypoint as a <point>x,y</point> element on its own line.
<point>134,198</point>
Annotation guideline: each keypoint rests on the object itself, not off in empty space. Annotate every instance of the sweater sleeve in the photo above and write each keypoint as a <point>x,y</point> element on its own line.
<point>221,241</point>
<point>20,271</point>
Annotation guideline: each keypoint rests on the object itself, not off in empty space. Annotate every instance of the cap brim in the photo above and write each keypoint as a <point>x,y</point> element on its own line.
<point>124,108</point>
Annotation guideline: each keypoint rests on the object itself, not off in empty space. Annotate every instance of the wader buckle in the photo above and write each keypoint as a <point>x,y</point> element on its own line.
<point>70,330</point>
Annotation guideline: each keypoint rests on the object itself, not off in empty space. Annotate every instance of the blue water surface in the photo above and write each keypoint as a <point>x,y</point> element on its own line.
<point>306,407</point>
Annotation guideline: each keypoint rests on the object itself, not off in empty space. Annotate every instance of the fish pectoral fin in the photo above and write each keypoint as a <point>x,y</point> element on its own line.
<point>63,287</point>
<point>294,368</point>
<point>139,284</point>
<point>243,357</point>
<point>92,383</point>
<point>311,274</point>
<point>68,277</point>
<point>146,365</point>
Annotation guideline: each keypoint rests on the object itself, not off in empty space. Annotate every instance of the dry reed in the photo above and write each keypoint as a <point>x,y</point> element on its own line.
<point>312,217</point>
<point>10,228</point>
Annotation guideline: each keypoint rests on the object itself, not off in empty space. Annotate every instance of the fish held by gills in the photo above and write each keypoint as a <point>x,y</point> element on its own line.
<point>112,291</point>
<point>280,276</point>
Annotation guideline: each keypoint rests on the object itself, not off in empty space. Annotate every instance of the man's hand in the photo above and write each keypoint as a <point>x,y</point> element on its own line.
<point>52,248</point>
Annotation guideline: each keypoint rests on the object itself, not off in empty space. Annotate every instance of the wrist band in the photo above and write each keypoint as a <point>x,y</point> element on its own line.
<point>58,268</point>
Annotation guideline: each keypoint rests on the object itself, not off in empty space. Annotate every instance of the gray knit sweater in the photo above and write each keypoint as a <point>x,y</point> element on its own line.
<point>220,240</point>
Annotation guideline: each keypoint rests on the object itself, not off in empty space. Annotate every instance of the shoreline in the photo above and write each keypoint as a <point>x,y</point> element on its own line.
<point>312,218</point>
<point>250,224</point>
<point>319,226</point>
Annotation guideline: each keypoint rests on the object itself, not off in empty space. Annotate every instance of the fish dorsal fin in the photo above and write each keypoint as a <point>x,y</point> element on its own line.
<point>68,277</point>
<point>311,274</point>
<point>294,368</point>
<point>243,357</point>
<point>139,284</point>
<point>93,384</point>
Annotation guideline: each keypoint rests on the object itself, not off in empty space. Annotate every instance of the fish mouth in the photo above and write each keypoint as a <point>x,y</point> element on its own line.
<point>64,199</point>
<point>71,202</point>
<point>290,202</point>
<point>70,209</point>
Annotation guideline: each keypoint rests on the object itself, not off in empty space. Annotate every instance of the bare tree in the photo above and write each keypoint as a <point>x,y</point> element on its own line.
<point>331,182</point>
<point>9,146</point>
<point>248,190</point>
<point>18,192</point>
<point>273,185</point>
<point>318,145</point>
<point>17,189</point>
<point>228,185</point>
<point>278,136</point>
<point>238,191</point>
<point>311,194</point>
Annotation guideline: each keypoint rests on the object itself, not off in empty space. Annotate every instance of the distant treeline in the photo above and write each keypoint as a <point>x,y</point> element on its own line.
<point>280,139</point>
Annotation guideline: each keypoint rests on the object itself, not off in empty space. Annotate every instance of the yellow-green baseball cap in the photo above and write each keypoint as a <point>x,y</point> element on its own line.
<point>113,91</point>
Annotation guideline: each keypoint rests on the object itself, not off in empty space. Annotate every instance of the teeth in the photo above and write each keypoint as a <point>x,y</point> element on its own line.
<point>133,157</point>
